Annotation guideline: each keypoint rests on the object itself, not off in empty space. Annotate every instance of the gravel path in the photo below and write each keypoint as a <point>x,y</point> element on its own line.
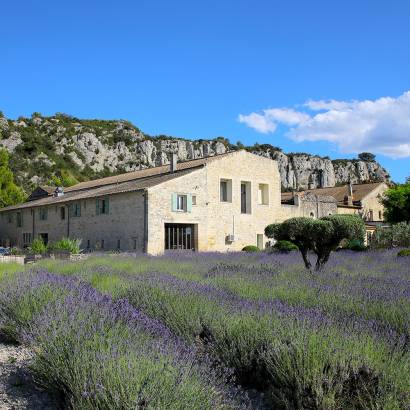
<point>17,389</point>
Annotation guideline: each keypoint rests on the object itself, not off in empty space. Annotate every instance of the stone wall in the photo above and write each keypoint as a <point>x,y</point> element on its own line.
<point>125,222</point>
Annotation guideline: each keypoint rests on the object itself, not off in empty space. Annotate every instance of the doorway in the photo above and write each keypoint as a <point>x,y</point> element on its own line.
<point>179,236</point>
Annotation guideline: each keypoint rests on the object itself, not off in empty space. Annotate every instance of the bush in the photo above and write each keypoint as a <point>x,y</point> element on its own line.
<point>395,236</point>
<point>250,248</point>
<point>285,246</point>
<point>38,247</point>
<point>66,244</point>
<point>356,245</point>
<point>404,252</point>
<point>322,236</point>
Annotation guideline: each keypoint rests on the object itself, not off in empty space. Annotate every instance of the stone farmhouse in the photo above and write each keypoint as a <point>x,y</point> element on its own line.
<point>217,203</point>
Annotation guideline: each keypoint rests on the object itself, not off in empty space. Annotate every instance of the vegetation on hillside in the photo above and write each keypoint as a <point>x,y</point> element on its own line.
<point>52,150</point>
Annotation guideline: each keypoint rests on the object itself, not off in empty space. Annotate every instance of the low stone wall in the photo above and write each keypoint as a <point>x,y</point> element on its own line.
<point>12,258</point>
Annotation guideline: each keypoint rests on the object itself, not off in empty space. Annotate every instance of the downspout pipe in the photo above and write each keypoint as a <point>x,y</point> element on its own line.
<point>145,220</point>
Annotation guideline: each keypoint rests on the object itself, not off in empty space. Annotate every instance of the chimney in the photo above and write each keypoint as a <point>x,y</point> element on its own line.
<point>348,199</point>
<point>174,161</point>
<point>59,191</point>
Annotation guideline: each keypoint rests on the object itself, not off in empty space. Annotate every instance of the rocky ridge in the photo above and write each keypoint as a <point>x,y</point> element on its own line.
<point>63,150</point>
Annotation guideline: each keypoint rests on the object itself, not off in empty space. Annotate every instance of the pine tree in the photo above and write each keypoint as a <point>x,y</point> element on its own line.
<point>10,193</point>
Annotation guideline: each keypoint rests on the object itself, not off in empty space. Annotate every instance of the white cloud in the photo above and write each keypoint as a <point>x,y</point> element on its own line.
<point>267,121</point>
<point>380,126</point>
<point>258,122</point>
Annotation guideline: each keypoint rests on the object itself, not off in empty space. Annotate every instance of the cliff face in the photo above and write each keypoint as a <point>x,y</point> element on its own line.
<point>63,149</point>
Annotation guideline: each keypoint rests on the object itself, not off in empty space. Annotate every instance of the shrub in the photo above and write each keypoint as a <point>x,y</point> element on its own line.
<point>38,247</point>
<point>322,236</point>
<point>250,248</point>
<point>356,245</point>
<point>66,244</point>
<point>394,236</point>
<point>285,246</point>
<point>404,252</point>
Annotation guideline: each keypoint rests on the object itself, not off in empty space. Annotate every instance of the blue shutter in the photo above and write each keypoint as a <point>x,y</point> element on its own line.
<point>174,202</point>
<point>189,203</point>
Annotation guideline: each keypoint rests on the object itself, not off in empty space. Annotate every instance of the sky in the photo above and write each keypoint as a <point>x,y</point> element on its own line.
<point>323,77</point>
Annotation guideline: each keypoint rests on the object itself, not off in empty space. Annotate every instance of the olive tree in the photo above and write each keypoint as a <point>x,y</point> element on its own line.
<point>321,236</point>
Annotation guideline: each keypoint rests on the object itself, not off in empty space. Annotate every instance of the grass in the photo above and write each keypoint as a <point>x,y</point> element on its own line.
<point>334,340</point>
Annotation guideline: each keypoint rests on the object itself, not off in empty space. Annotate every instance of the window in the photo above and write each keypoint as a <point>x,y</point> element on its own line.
<point>75,210</point>
<point>263,194</point>
<point>19,220</point>
<point>26,239</point>
<point>102,243</point>
<point>43,214</point>
<point>181,202</point>
<point>88,244</point>
<point>380,215</point>
<point>193,199</point>
<point>225,190</point>
<point>370,215</point>
<point>118,243</point>
<point>312,214</point>
<point>9,218</point>
<point>102,206</point>
<point>62,212</point>
<point>135,244</point>
<point>245,197</point>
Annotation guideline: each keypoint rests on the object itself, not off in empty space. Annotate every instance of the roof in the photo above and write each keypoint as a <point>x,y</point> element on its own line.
<point>131,181</point>
<point>360,191</point>
<point>143,173</point>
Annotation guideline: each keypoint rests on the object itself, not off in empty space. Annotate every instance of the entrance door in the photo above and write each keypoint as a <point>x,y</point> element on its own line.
<point>179,236</point>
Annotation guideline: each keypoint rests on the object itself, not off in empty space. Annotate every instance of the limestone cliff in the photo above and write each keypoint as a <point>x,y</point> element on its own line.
<point>64,149</point>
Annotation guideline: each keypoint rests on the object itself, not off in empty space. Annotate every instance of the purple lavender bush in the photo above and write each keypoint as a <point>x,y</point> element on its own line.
<point>103,353</point>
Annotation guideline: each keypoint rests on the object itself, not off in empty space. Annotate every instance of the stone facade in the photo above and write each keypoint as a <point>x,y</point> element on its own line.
<point>124,223</point>
<point>214,220</point>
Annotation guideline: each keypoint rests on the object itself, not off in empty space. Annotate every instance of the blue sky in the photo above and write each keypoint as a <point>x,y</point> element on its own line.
<point>191,69</point>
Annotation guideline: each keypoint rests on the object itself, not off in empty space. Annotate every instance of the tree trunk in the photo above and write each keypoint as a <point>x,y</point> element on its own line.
<point>306,259</point>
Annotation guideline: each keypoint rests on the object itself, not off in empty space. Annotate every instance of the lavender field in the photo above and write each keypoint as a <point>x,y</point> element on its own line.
<point>216,331</point>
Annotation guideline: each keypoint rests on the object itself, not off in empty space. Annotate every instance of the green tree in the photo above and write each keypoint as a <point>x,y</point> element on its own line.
<point>321,236</point>
<point>396,202</point>
<point>10,193</point>
<point>367,156</point>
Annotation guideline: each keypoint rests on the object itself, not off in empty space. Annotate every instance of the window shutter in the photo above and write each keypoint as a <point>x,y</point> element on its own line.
<point>174,202</point>
<point>107,206</point>
<point>97,207</point>
<point>189,203</point>
<point>79,209</point>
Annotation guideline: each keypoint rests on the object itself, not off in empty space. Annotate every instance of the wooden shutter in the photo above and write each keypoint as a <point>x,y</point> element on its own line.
<point>97,207</point>
<point>189,203</point>
<point>174,202</point>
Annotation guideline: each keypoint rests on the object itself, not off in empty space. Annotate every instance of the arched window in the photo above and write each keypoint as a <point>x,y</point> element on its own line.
<point>312,214</point>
